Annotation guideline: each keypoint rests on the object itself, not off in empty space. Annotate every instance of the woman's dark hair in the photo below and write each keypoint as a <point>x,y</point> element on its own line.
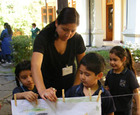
<point>67,16</point>
<point>121,53</point>
<point>24,65</point>
<point>6,25</point>
<point>93,62</point>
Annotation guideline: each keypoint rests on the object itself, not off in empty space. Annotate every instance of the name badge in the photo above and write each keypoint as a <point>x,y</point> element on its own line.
<point>67,70</point>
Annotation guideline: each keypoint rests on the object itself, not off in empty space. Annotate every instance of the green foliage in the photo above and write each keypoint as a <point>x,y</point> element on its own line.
<point>20,14</point>
<point>104,53</point>
<point>135,50</point>
<point>22,48</point>
<point>136,55</point>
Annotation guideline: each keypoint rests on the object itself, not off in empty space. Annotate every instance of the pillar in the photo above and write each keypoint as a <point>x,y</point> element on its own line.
<point>96,23</point>
<point>132,32</point>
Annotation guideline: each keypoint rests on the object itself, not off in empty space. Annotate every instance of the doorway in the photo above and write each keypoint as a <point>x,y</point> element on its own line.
<point>109,20</point>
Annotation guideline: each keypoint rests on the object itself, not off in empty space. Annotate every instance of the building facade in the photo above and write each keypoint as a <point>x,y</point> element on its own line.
<point>103,20</point>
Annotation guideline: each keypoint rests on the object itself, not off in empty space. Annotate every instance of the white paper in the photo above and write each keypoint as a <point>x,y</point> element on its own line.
<point>71,106</point>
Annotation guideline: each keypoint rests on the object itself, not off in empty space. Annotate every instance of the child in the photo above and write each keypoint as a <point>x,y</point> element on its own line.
<point>35,30</point>
<point>23,75</point>
<point>91,71</point>
<point>121,81</point>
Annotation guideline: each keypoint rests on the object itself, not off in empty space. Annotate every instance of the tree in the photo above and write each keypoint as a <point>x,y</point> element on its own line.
<point>20,14</point>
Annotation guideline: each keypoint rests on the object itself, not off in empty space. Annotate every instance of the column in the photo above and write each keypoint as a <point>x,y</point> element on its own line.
<point>132,32</point>
<point>82,8</point>
<point>96,22</point>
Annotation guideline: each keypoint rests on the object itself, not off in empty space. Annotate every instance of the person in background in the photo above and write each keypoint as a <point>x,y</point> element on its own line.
<point>35,30</point>
<point>25,86</point>
<point>2,61</point>
<point>0,53</point>
<point>91,71</point>
<point>6,47</point>
<point>121,81</point>
<point>54,53</point>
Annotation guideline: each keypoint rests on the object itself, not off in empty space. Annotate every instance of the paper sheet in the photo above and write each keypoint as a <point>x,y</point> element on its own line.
<point>71,106</point>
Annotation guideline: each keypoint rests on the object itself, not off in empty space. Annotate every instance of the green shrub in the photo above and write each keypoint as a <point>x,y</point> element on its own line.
<point>104,53</point>
<point>136,55</point>
<point>22,48</point>
<point>135,50</point>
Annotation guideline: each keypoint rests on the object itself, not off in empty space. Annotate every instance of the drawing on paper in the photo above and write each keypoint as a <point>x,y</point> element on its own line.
<point>71,106</point>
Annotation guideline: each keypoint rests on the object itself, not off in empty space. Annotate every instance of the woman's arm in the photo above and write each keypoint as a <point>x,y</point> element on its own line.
<point>36,70</point>
<point>36,63</point>
<point>137,98</point>
<point>80,56</point>
<point>77,79</point>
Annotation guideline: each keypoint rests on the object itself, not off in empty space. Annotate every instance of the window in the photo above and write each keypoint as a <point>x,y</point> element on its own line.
<point>44,15</point>
<point>48,14</point>
<point>109,2</point>
<point>72,3</point>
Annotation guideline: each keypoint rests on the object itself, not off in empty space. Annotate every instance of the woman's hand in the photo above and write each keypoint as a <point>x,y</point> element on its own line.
<point>30,96</point>
<point>49,93</point>
<point>138,111</point>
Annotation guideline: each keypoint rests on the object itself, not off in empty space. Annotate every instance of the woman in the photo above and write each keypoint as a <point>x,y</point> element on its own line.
<point>6,36</point>
<point>55,50</point>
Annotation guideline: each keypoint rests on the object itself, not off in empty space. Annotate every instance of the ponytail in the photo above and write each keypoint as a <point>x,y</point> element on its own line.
<point>129,61</point>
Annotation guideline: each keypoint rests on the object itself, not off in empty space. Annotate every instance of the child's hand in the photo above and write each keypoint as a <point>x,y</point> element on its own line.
<point>30,96</point>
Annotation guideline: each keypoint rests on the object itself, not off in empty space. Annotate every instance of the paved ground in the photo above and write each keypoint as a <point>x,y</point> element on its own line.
<point>7,84</point>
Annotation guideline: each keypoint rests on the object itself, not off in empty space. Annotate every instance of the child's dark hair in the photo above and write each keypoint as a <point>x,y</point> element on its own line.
<point>121,53</point>
<point>93,62</point>
<point>68,15</point>
<point>33,24</point>
<point>24,65</point>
